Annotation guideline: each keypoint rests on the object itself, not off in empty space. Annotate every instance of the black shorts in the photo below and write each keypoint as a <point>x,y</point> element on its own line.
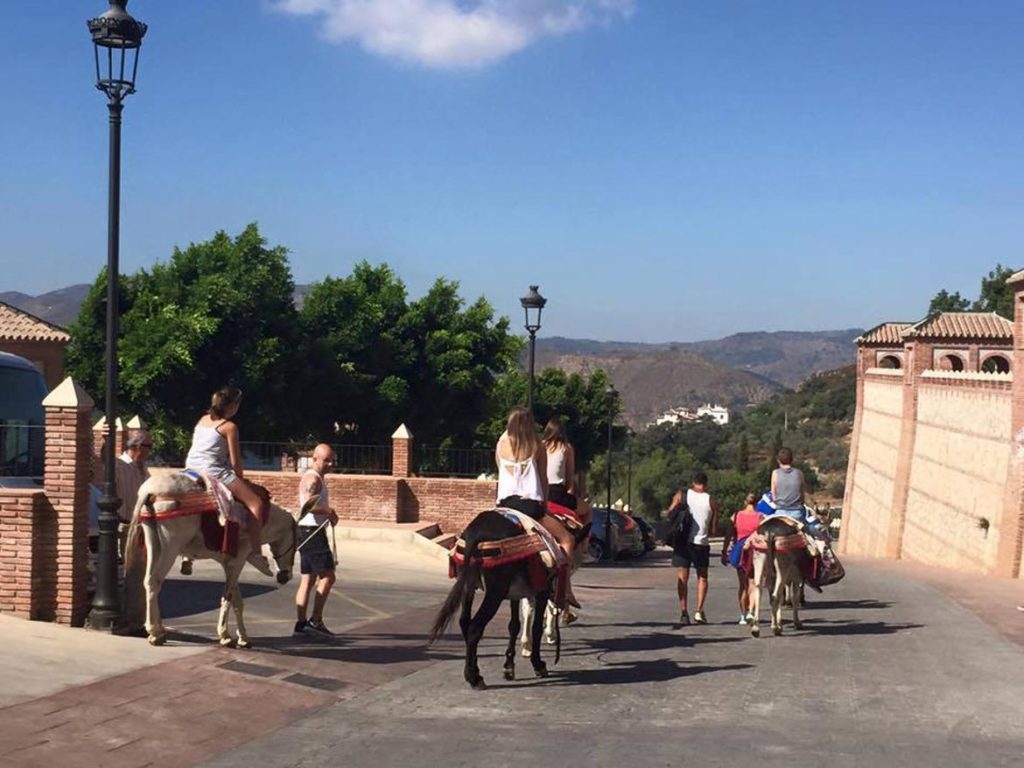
<point>316,556</point>
<point>529,507</point>
<point>692,556</point>
<point>558,494</point>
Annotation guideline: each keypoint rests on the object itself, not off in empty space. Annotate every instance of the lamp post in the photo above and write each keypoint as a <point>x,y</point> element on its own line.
<point>533,304</point>
<point>611,396</point>
<point>629,471</point>
<point>117,39</point>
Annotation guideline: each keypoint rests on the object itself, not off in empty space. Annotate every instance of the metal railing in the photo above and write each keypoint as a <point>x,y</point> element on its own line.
<point>348,459</point>
<point>433,461</point>
<point>22,451</point>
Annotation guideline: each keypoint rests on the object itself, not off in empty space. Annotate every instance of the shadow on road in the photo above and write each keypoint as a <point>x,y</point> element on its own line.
<point>822,627</point>
<point>357,649</point>
<point>180,597</point>
<point>655,642</point>
<point>847,604</point>
<point>626,673</point>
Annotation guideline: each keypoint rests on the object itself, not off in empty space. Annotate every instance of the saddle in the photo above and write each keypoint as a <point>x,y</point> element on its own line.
<point>212,500</point>
<point>545,559</point>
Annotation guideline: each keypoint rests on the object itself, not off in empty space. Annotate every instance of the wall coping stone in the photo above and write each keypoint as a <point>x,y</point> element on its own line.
<point>69,394</point>
<point>967,376</point>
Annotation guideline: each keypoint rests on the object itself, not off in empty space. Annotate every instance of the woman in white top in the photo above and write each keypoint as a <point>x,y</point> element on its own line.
<point>215,451</point>
<point>522,475</point>
<point>561,460</point>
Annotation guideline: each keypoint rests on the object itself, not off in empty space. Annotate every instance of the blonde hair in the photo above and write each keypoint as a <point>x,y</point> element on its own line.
<point>522,434</point>
<point>222,400</point>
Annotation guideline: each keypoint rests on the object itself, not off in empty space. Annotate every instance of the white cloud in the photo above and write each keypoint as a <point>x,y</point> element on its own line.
<point>453,34</point>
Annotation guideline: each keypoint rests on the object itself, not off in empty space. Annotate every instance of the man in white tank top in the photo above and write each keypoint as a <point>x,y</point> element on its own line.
<point>316,560</point>
<point>696,551</point>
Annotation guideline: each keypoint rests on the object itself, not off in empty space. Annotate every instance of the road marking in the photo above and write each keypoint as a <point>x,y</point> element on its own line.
<point>359,604</point>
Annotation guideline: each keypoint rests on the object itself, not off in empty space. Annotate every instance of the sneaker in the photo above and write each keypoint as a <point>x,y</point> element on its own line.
<point>699,618</point>
<point>316,626</point>
<point>301,629</point>
<point>743,619</point>
<point>186,567</point>
<point>684,619</point>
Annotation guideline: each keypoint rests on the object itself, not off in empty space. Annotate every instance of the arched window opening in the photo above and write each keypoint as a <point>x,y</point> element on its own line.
<point>996,364</point>
<point>890,361</point>
<point>951,363</point>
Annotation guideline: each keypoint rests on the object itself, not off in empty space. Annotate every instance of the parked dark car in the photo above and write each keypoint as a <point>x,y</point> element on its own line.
<point>626,540</point>
<point>22,422</point>
<point>646,533</point>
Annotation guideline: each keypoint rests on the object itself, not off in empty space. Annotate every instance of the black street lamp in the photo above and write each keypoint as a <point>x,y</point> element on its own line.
<point>533,304</point>
<point>117,38</point>
<point>612,397</point>
<point>629,471</point>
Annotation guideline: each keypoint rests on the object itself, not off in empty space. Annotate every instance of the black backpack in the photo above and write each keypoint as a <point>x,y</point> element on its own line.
<point>680,525</point>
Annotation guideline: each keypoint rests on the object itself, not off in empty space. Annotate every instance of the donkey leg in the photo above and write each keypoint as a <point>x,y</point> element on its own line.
<point>537,630</point>
<point>797,595</point>
<point>514,625</point>
<point>526,619</point>
<point>778,595</point>
<point>754,611</point>
<point>475,632</point>
<point>157,568</point>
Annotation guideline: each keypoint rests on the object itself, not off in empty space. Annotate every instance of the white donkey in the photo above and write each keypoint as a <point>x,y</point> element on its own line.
<point>168,536</point>
<point>780,552</point>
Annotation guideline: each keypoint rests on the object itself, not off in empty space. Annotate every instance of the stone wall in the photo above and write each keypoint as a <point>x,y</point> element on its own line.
<point>871,487</point>
<point>958,473</point>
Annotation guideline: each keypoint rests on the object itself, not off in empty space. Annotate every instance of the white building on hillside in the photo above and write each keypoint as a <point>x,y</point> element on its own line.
<point>718,413</point>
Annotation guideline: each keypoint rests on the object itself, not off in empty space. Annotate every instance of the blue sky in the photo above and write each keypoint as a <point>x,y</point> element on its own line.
<point>664,169</point>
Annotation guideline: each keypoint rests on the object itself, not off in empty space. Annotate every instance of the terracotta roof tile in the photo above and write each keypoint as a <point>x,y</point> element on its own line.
<point>963,325</point>
<point>886,333</point>
<point>16,325</point>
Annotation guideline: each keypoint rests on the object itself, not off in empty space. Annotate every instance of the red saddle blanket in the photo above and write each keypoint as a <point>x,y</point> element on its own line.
<point>526,546</point>
<point>216,537</point>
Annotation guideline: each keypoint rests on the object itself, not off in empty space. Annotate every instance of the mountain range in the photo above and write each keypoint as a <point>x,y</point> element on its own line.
<point>735,371</point>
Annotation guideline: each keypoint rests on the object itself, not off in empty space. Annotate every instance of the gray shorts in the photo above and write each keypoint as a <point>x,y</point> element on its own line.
<point>226,475</point>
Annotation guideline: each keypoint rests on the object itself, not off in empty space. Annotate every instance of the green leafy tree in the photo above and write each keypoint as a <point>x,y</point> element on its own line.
<point>944,301</point>
<point>996,295</point>
<point>218,312</point>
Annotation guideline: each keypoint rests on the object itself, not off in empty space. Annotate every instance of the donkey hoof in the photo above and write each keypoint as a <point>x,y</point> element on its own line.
<point>527,652</point>
<point>755,630</point>
<point>245,645</point>
<point>227,642</point>
<point>479,685</point>
<point>541,670</point>
<point>776,631</point>
<point>157,639</point>
<point>798,625</point>
<point>510,673</point>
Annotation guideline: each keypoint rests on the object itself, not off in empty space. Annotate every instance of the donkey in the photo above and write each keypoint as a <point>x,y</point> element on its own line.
<point>167,537</point>
<point>510,582</point>
<point>780,557</point>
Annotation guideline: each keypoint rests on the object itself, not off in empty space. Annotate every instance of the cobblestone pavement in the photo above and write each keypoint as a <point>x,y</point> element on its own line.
<point>888,671</point>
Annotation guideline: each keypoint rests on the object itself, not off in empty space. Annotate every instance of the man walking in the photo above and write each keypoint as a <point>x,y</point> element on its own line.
<point>131,472</point>
<point>315,558</point>
<point>695,550</point>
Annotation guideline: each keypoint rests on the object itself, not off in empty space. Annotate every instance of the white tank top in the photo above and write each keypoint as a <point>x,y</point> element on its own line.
<point>556,466</point>
<point>519,478</point>
<point>319,515</point>
<point>700,509</point>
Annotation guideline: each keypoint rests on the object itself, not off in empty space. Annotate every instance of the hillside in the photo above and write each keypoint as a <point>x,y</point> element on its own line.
<point>653,381</point>
<point>59,307</point>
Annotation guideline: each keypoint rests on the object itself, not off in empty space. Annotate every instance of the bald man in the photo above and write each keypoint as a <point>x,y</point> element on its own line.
<point>315,558</point>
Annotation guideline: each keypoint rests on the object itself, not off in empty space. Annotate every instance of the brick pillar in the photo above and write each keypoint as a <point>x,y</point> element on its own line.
<point>99,436</point>
<point>973,359</point>
<point>1011,525</point>
<point>401,452</point>
<point>66,482</point>
<point>865,360</point>
<point>917,359</point>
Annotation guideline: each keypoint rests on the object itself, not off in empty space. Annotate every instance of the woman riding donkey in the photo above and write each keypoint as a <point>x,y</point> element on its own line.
<point>523,479</point>
<point>215,452</point>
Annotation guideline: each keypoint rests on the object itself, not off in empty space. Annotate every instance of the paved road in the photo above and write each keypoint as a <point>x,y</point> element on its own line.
<point>887,672</point>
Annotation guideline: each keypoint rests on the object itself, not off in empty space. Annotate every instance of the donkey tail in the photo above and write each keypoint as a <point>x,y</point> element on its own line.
<point>131,544</point>
<point>770,546</point>
<point>466,581</point>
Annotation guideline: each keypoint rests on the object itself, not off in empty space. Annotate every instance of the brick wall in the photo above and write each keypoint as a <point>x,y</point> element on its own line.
<point>27,554</point>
